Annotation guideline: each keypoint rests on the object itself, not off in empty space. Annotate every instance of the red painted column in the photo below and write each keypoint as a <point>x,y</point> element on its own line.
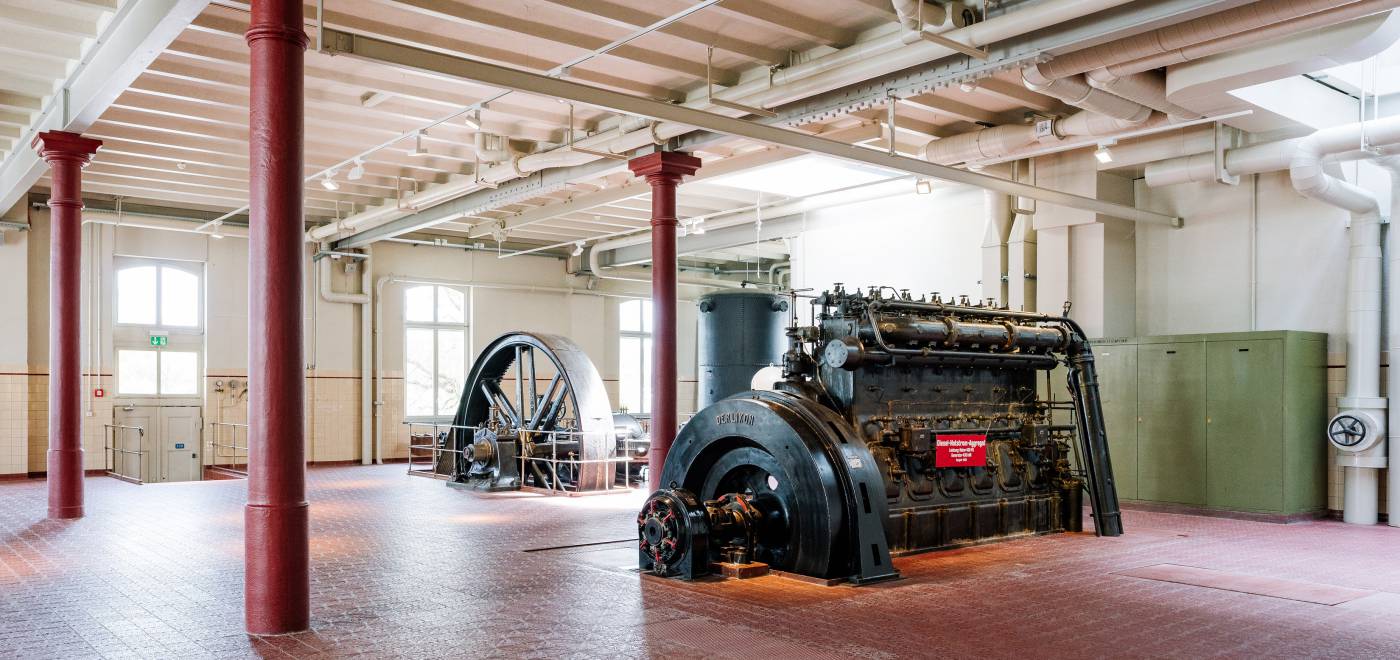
<point>67,154</point>
<point>663,171</point>
<point>276,582</point>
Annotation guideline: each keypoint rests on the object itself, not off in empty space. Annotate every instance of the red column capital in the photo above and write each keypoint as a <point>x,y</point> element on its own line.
<point>62,145</point>
<point>664,165</point>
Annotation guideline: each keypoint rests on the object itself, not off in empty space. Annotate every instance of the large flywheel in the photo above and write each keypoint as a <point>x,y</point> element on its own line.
<point>535,396</point>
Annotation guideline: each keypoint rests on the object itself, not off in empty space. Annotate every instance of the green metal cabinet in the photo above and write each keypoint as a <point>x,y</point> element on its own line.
<point>1231,421</point>
<point>1117,368</point>
<point>1171,464</point>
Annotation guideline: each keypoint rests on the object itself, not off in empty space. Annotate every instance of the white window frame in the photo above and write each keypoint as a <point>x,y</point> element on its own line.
<point>644,336</point>
<point>136,336</point>
<point>434,326</point>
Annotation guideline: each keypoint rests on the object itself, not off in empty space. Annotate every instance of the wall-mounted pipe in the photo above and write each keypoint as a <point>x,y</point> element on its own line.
<point>1392,305</point>
<point>1362,398</point>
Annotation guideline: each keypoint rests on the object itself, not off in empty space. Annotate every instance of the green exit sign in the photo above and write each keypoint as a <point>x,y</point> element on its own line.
<point>159,340</point>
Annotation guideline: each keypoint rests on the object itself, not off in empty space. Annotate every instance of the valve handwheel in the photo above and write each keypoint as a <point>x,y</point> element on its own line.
<point>1346,431</point>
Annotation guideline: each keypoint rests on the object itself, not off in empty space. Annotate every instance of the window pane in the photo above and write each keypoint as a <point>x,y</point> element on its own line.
<point>136,371</point>
<point>179,297</point>
<point>630,316</point>
<point>136,295</point>
<point>451,305</point>
<point>418,372</point>
<point>646,315</point>
<point>451,364</point>
<point>179,372</point>
<point>629,377</point>
<point>646,375</point>
<point>418,304</point>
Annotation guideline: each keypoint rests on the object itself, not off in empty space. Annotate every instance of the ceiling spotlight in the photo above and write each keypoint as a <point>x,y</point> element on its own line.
<point>698,227</point>
<point>1103,155</point>
<point>214,229</point>
<point>473,120</point>
<point>181,165</point>
<point>923,186</point>
<point>357,172</point>
<point>975,167</point>
<point>968,86</point>
<point>418,149</point>
<point>578,248</point>
<point>328,182</point>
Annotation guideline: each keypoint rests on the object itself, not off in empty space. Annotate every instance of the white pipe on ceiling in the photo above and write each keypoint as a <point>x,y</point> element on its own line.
<point>856,63</point>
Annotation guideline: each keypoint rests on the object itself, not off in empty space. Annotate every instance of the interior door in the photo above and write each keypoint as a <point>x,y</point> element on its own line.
<point>180,432</point>
<point>135,430</point>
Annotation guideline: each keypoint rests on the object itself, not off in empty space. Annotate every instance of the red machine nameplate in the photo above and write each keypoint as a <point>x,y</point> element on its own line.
<point>960,450</point>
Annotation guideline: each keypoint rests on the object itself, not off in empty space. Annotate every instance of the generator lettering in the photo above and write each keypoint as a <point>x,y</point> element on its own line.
<point>734,418</point>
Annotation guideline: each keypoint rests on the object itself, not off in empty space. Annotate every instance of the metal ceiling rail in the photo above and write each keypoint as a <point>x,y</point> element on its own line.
<point>407,57</point>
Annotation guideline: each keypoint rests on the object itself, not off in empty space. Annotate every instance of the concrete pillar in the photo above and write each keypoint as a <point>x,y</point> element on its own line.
<point>67,154</point>
<point>277,578</point>
<point>663,171</point>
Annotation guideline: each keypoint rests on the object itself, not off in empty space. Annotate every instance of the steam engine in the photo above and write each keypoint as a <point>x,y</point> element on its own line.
<point>900,426</point>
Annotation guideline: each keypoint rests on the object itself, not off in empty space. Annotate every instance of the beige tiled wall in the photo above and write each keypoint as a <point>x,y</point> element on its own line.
<point>14,423</point>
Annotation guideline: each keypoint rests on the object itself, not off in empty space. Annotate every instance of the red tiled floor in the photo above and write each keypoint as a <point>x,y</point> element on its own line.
<point>406,567</point>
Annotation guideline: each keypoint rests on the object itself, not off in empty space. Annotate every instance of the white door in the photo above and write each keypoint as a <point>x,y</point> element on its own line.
<point>131,438</point>
<point>179,442</point>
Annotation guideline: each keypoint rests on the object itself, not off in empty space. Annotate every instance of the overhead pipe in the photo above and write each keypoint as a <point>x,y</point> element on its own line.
<point>1336,143</point>
<point>865,60</point>
<point>1196,51</point>
<point>1182,35</point>
<point>1147,88</point>
<point>1076,91</point>
<point>1362,400</point>
<point>1008,140</point>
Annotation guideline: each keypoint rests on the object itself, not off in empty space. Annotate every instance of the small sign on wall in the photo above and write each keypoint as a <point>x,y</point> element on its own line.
<point>962,450</point>
<point>159,340</point>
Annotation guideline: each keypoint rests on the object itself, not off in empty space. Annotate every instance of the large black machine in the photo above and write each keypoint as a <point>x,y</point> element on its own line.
<point>534,413</point>
<point>900,426</point>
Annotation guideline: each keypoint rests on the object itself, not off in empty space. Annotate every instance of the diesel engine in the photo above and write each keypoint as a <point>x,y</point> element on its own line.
<point>900,426</point>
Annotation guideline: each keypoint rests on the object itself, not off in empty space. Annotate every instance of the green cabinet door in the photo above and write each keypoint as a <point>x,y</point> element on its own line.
<point>1172,412</point>
<point>1245,425</point>
<point>1117,368</point>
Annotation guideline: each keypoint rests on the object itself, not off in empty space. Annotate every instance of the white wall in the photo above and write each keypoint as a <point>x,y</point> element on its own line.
<point>924,243</point>
<point>333,424</point>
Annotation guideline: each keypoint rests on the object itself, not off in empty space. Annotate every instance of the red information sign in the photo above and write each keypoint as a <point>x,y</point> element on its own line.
<point>968,450</point>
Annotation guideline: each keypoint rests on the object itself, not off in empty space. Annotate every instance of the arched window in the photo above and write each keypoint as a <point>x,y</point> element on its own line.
<point>159,314</point>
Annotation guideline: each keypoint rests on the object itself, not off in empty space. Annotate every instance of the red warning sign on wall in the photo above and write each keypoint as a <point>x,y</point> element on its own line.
<point>969,450</point>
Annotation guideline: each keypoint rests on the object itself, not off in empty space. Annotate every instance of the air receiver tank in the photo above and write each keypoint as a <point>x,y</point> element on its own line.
<point>740,332</point>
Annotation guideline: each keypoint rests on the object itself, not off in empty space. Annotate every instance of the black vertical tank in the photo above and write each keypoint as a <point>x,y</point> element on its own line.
<point>741,331</point>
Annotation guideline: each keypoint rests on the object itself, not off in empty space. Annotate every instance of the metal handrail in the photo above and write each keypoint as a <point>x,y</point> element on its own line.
<point>111,451</point>
<point>234,449</point>
<point>552,462</point>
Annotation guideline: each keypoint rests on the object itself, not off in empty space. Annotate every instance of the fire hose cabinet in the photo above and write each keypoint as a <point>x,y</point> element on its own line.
<point>1229,421</point>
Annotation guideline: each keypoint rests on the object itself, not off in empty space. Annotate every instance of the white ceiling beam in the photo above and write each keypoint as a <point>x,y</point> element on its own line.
<point>477,17</point>
<point>788,22</point>
<point>134,37</point>
<point>628,17</point>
